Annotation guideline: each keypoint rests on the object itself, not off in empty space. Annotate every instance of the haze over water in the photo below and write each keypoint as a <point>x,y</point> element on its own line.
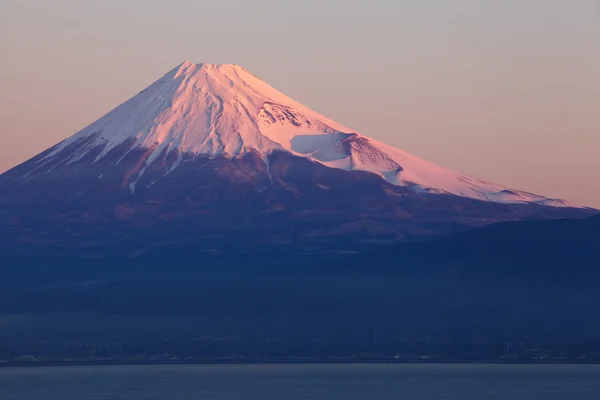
<point>315,382</point>
<point>508,91</point>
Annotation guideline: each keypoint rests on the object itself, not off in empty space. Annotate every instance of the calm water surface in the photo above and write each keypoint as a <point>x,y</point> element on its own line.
<point>327,382</point>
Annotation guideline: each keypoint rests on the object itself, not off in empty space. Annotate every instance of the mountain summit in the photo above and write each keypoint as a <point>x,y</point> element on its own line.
<point>223,110</point>
<point>211,154</point>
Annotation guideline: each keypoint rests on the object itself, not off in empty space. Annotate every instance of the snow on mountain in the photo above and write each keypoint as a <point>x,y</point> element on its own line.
<point>223,110</point>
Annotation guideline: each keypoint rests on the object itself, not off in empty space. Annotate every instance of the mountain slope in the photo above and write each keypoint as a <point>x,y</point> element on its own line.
<point>223,110</point>
<point>562,252</point>
<point>524,281</point>
<point>210,155</point>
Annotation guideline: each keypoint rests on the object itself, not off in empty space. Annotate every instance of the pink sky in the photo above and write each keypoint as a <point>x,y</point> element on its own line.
<point>506,91</point>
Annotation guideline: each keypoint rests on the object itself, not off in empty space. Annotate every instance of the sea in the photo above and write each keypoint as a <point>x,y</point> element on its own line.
<point>295,381</point>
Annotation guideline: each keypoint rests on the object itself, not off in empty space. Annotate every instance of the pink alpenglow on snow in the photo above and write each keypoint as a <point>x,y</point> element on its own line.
<point>223,110</point>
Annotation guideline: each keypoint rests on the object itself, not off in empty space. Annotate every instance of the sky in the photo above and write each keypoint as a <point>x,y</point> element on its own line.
<point>508,91</point>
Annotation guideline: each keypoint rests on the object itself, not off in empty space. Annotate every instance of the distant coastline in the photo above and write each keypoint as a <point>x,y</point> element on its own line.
<point>26,364</point>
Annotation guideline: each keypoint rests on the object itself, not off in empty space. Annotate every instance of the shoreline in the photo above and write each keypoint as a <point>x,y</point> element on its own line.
<point>109,363</point>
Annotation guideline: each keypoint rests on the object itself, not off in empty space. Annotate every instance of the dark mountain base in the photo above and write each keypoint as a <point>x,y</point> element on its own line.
<point>534,284</point>
<point>103,301</point>
<point>236,207</point>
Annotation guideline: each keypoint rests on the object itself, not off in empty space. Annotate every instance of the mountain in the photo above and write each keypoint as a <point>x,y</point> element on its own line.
<point>211,204</point>
<point>212,156</point>
<point>564,253</point>
<point>223,111</point>
<point>533,281</point>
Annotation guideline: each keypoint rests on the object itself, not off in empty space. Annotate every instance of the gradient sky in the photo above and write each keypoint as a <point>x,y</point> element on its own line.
<point>508,91</point>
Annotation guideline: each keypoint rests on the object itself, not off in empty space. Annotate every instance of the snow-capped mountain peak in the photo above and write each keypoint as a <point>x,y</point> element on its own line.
<point>223,110</point>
